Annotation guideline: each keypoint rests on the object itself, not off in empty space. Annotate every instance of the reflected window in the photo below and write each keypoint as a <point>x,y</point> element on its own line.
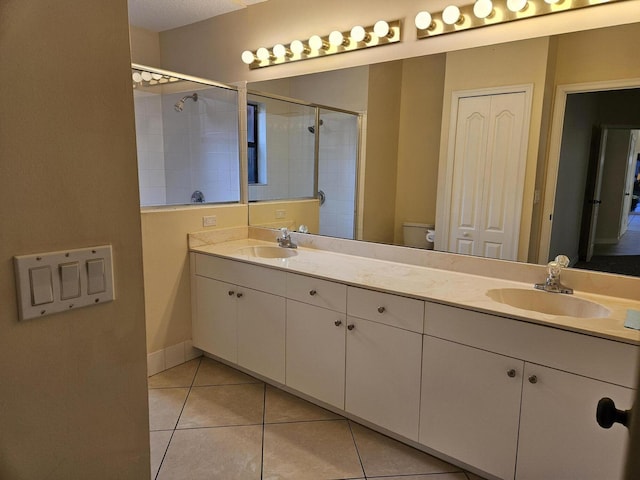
<point>252,142</point>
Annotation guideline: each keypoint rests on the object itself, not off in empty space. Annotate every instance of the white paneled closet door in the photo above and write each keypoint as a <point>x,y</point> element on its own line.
<point>488,175</point>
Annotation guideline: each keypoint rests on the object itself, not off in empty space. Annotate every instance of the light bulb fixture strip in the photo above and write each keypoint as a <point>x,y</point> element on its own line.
<point>322,46</point>
<point>144,78</point>
<point>499,14</point>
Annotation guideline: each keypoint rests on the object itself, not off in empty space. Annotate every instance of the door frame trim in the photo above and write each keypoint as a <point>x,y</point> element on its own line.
<point>443,205</point>
<point>555,144</point>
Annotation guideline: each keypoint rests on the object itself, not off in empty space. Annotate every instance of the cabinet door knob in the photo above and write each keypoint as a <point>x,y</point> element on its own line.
<point>381,309</point>
<point>511,372</point>
<point>312,292</point>
<point>607,414</point>
<point>351,326</point>
<point>533,379</point>
<point>231,293</point>
<point>338,323</point>
<point>239,294</point>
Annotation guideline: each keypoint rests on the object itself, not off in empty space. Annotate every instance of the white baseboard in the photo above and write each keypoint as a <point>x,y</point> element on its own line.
<point>169,357</point>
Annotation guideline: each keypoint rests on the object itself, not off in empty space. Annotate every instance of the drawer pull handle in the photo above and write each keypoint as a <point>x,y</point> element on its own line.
<point>381,309</point>
<point>231,293</point>
<point>239,294</point>
<point>351,326</point>
<point>533,379</point>
<point>312,292</point>
<point>337,323</point>
<point>511,373</point>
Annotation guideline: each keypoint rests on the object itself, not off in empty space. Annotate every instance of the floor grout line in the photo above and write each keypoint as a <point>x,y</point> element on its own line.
<point>355,444</point>
<point>264,415</point>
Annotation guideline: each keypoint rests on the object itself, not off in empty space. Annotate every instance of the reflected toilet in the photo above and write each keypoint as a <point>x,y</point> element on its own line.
<point>419,235</point>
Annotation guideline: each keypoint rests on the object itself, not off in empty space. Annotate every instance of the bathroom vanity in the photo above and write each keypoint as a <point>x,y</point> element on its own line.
<point>423,354</point>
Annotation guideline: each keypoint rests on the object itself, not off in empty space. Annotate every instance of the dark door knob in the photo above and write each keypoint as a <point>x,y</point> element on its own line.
<point>607,414</point>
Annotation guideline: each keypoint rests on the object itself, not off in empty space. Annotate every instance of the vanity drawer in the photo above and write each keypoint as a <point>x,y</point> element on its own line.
<point>239,273</point>
<point>314,291</point>
<point>393,310</point>
<point>593,357</point>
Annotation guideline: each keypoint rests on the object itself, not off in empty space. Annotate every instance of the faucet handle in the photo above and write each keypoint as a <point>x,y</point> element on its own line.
<point>284,231</point>
<point>562,261</point>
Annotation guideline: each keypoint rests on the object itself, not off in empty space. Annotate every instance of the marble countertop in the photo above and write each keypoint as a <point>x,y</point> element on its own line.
<point>457,289</point>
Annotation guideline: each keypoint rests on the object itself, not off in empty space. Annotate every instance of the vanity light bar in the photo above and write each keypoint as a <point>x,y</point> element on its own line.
<point>358,38</point>
<point>144,78</point>
<point>484,13</point>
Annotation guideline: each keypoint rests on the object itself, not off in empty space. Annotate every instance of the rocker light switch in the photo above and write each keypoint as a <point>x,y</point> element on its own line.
<point>41,285</point>
<point>95,276</point>
<point>69,281</point>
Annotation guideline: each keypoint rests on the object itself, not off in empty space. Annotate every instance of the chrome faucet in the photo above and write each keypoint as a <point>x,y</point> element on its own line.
<point>284,240</point>
<point>552,284</point>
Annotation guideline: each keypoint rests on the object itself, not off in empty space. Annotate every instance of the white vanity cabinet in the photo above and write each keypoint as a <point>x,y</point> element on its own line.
<point>315,344</point>
<point>471,405</point>
<point>475,366</point>
<point>383,361</point>
<point>239,314</point>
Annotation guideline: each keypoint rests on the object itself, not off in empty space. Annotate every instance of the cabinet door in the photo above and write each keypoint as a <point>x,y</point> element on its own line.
<point>383,375</point>
<point>214,319</point>
<point>315,352</point>
<point>559,436</point>
<point>261,333</point>
<point>470,405</point>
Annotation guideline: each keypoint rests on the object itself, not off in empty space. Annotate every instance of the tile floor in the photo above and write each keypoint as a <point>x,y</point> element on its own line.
<point>210,421</point>
<point>629,243</point>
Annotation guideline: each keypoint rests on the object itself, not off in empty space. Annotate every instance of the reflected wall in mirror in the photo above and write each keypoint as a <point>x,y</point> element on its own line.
<point>408,107</point>
<point>187,140</point>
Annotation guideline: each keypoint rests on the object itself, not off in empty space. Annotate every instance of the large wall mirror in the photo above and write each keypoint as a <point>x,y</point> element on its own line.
<point>410,132</point>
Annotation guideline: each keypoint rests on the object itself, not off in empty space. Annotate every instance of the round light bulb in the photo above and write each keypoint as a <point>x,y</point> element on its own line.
<point>297,47</point>
<point>336,38</point>
<point>315,42</point>
<point>262,54</point>
<point>146,76</point>
<point>248,57</point>
<point>381,28</point>
<point>451,15</point>
<point>136,77</point>
<point>359,34</point>
<point>423,20</point>
<point>516,5</point>
<point>279,50</point>
<point>483,8</point>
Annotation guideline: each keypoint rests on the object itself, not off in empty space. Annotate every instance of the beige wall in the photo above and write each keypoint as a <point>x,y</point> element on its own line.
<point>419,141</point>
<point>383,118</point>
<point>166,267</point>
<point>514,63</point>
<point>74,394</point>
<point>145,47</point>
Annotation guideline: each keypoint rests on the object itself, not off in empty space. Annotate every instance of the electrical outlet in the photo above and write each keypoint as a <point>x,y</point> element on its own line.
<point>209,221</point>
<point>281,213</point>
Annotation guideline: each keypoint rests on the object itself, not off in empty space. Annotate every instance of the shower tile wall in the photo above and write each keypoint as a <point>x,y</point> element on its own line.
<point>149,135</point>
<point>196,149</point>
<point>337,173</point>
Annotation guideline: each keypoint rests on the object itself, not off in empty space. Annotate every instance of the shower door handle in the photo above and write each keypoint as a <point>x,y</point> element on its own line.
<point>322,197</point>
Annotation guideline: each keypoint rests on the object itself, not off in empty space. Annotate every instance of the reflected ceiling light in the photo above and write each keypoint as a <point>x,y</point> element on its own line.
<point>359,34</point>
<point>483,8</point>
<point>451,15</point>
<point>317,43</point>
<point>146,76</point>
<point>552,2</point>
<point>136,77</point>
<point>263,54</point>
<point>424,21</point>
<point>358,38</point>
<point>336,39</point>
<point>381,29</point>
<point>516,5</point>
<point>298,47</point>
<point>248,57</point>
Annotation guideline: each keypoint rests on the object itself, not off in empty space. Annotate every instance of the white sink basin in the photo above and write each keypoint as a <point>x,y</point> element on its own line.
<point>548,303</point>
<point>268,251</point>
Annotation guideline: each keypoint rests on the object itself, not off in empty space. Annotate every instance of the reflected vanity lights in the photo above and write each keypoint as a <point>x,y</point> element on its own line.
<point>483,13</point>
<point>358,38</point>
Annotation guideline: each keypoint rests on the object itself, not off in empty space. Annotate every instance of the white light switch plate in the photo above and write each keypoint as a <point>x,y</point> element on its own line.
<point>23,265</point>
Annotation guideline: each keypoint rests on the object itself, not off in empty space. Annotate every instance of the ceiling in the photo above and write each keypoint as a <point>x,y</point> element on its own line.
<point>160,15</point>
